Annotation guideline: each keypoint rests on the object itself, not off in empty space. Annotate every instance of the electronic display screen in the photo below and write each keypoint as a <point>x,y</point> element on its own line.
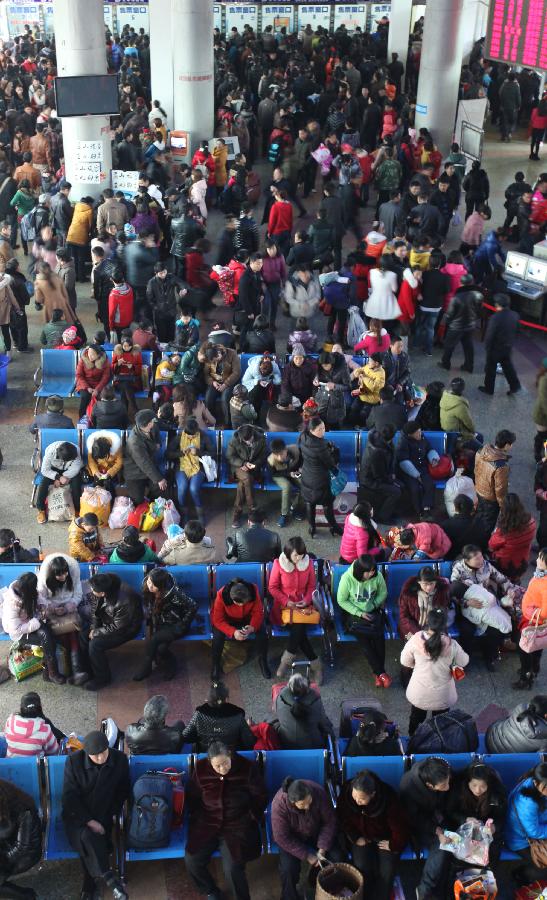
<point>537,271</point>
<point>515,264</point>
<point>87,95</point>
<point>517,33</point>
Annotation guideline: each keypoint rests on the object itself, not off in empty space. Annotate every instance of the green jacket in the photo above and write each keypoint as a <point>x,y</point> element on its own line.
<point>189,366</point>
<point>455,415</point>
<point>23,202</point>
<point>388,175</point>
<point>52,334</point>
<point>148,556</point>
<point>358,597</point>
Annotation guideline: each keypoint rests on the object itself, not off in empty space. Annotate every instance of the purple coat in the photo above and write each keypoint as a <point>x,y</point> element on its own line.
<point>300,831</point>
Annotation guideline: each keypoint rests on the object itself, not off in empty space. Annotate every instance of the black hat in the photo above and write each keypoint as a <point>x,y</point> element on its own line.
<point>95,742</point>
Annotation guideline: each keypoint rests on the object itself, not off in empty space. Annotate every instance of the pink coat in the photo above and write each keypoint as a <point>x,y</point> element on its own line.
<point>473,229</point>
<point>290,582</point>
<point>431,539</point>
<point>454,272</point>
<point>355,540</point>
<point>431,685</point>
<point>370,343</point>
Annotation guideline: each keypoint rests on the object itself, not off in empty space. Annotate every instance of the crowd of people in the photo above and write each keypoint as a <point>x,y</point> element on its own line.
<point>332,117</point>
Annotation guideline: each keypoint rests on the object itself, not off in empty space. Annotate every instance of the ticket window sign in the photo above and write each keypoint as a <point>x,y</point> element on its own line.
<point>217,16</point>
<point>240,14</point>
<point>314,15</point>
<point>517,33</point>
<point>352,15</point>
<point>278,15</point>
<point>21,14</point>
<point>135,15</point>
<point>377,12</point>
<point>49,27</point>
<point>180,144</point>
<point>108,13</point>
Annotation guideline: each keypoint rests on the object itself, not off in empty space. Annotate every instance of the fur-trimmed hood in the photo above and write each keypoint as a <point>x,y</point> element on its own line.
<point>115,441</point>
<point>99,363</point>
<point>288,566</point>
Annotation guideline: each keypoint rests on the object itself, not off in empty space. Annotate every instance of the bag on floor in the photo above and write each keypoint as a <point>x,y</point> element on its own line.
<point>476,884</point>
<point>59,504</point>
<point>151,812</point>
<point>154,515</point>
<point>22,662</point>
<point>451,732</point>
<point>137,515</point>
<point>171,516</point>
<point>266,736</point>
<point>339,880</point>
<point>356,326</point>
<point>121,510</point>
<point>96,500</point>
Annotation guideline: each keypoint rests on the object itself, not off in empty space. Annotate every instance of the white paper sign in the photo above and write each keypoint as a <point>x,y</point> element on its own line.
<point>240,14</point>
<point>352,15</point>
<point>128,182</point>
<point>279,15</point>
<point>87,173</point>
<point>314,15</point>
<point>89,151</point>
<point>135,15</point>
<point>217,16</point>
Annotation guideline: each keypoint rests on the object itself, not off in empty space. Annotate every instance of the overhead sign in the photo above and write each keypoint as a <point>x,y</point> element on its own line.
<point>109,17</point>
<point>217,16</point>
<point>314,15</point>
<point>128,182</point>
<point>135,15</point>
<point>278,15</point>
<point>21,14</point>
<point>352,15</point>
<point>378,11</point>
<point>517,33</point>
<point>240,14</point>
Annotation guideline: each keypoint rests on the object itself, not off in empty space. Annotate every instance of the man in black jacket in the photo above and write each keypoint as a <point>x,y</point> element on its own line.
<point>95,787</point>
<point>388,412</point>
<point>464,527</point>
<point>110,411</point>
<point>461,319</point>
<point>53,417</point>
<point>129,153</point>
<point>253,543</point>
<point>500,337</point>
<point>102,285</point>
<point>11,550</point>
<point>140,259</point>
<point>250,291</point>
<point>139,466</point>
<point>62,212</point>
<point>150,735</point>
<point>396,364</point>
<point>377,482</point>
<point>163,293</point>
<point>185,231</point>
<point>435,286</point>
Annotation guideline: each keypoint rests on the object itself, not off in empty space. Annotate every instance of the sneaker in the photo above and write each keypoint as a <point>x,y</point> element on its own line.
<point>483,390</point>
<point>385,680</point>
<point>236,521</point>
<point>297,515</point>
<point>282,521</point>
<point>41,518</point>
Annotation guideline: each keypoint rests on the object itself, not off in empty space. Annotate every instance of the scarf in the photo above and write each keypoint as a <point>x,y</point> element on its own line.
<point>425,603</point>
<point>189,462</point>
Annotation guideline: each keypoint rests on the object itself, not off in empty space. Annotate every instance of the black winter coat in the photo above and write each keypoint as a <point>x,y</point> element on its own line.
<point>319,458</point>
<point>138,458</point>
<point>415,451</point>
<point>163,295</point>
<point>50,420</point>
<point>177,609</point>
<point>463,311</point>
<point>142,739</point>
<point>94,792</point>
<point>139,263</point>
<point>8,190</point>
<point>377,463</point>
<point>109,414</point>
<point>253,544</point>
<point>225,722</point>
<point>397,369</point>
<point>521,732</point>
<point>464,530</point>
<point>122,614</point>
<point>387,414</point>
<point>22,848</point>
<point>297,381</point>
<point>238,452</point>
<point>185,231</point>
<point>425,808</point>
<point>501,331</point>
<point>261,340</point>
<point>250,289</point>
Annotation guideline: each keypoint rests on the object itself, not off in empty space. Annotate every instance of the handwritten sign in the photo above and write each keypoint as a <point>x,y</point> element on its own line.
<point>128,182</point>
<point>89,151</point>
<point>87,173</point>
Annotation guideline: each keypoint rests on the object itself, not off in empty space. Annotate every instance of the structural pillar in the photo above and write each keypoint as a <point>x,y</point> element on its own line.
<point>440,68</point>
<point>399,29</point>
<point>161,55</point>
<point>193,66</point>
<point>80,45</point>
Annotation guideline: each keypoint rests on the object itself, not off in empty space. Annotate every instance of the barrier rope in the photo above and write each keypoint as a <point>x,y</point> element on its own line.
<point>521,321</point>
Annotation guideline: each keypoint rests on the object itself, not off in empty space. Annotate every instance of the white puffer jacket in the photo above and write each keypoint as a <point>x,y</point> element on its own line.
<point>14,621</point>
<point>52,466</point>
<point>64,597</point>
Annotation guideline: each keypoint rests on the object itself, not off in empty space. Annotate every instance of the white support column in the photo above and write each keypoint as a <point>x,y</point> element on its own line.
<point>193,66</point>
<point>80,44</point>
<point>440,70</point>
<point>161,56</point>
<point>399,29</point>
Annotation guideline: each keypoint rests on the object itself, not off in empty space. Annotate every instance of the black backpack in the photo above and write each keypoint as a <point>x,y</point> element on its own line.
<point>151,812</point>
<point>450,732</point>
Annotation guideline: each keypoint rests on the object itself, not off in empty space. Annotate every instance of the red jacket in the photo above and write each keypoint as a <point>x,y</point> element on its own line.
<point>362,280</point>
<point>280,217</point>
<point>120,306</point>
<point>386,820</point>
<point>408,301</point>
<point>512,549</point>
<point>431,539</point>
<point>121,361</point>
<point>409,609</point>
<point>537,121</point>
<point>229,617</point>
<point>290,582</point>
<point>90,377</point>
<point>197,273</point>
<point>199,159</point>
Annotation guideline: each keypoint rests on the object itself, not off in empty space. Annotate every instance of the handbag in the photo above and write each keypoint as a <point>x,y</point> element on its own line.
<point>338,481</point>
<point>533,636</point>
<point>303,616</point>
<point>325,307</point>
<point>209,467</point>
<point>22,662</point>
<point>444,468</point>
<point>153,516</point>
<point>64,624</point>
<point>538,848</point>
<point>372,626</point>
<point>476,884</point>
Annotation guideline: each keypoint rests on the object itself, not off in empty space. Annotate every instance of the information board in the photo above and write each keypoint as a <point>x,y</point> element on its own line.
<point>240,14</point>
<point>108,17</point>
<point>352,15</point>
<point>135,14</point>
<point>314,15</point>
<point>87,173</point>
<point>21,14</point>
<point>217,16</point>
<point>279,15</point>
<point>127,182</point>
<point>89,151</point>
<point>517,33</point>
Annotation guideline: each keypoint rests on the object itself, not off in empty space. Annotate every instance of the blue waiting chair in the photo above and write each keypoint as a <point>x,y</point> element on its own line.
<point>58,375</point>
<point>57,845</point>
<point>253,572</point>
<point>457,760</point>
<point>24,772</point>
<point>196,581</point>
<point>226,478</point>
<point>47,436</point>
<point>388,768</point>
<point>511,767</point>
<point>308,764</point>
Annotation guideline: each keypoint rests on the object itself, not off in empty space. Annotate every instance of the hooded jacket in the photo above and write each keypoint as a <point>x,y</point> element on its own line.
<point>125,554</point>
<point>358,597</point>
<point>83,546</point>
<point>139,458</point>
<point>303,299</point>
<point>221,722</point>
<point>52,466</point>
<point>377,462</point>
<point>253,375</point>
<point>523,731</point>
<point>290,582</point>
<point>187,333</point>
<point>229,617</point>
<point>120,306</point>
<point>319,458</point>
<point>301,722</point>
<point>492,473</point>
<point>430,539</point>
<point>259,340</point>
<point>409,607</point>
<point>109,414</point>
<point>296,830</point>
<point>370,382</point>
<point>356,539</point>
<point>455,415</point>
<point>70,599</point>
<point>431,684</point>
<point>231,369</point>
<point>110,465</point>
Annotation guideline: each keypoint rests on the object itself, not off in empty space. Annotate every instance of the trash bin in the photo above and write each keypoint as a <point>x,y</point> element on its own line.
<point>4,363</point>
<point>339,880</point>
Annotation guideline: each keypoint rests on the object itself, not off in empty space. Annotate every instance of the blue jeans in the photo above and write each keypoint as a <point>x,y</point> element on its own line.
<point>194,483</point>
<point>426,330</point>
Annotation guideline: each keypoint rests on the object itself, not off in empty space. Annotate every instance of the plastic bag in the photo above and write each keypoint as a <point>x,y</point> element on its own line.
<point>472,883</point>
<point>59,504</point>
<point>171,516</point>
<point>356,326</point>
<point>471,842</point>
<point>209,467</point>
<point>154,515</point>
<point>96,500</point>
<point>456,219</point>
<point>121,509</point>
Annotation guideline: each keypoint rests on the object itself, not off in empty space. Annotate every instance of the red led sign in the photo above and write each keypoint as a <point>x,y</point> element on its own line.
<point>517,33</point>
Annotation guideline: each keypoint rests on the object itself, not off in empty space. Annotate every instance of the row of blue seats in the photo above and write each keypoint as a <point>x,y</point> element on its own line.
<point>42,779</point>
<point>351,446</point>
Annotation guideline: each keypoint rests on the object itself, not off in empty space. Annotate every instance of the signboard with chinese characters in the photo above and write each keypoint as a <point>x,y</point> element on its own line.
<point>87,173</point>
<point>279,15</point>
<point>517,33</point>
<point>21,14</point>
<point>109,17</point>
<point>240,14</point>
<point>314,15</point>
<point>217,16</point>
<point>128,182</point>
<point>378,11</point>
<point>135,14</point>
<point>352,15</point>
<point>89,151</point>
<point>49,27</point>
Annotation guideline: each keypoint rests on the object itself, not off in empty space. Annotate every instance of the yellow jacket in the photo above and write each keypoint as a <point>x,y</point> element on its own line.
<point>76,546</point>
<point>370,381</point>
<point>220,155</point>
<point>80,227</point>
<point>419,258</point>
<point>110,465</point>
<point>165,371</point>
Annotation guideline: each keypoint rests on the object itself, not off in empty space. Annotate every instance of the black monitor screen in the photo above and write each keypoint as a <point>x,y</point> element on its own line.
<point>87,95</point>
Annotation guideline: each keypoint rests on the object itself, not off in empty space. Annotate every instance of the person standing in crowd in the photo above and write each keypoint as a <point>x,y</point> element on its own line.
<point>492,472</point>
<point>299,717</point>
<point>499,340</point>
<point>319,459</point>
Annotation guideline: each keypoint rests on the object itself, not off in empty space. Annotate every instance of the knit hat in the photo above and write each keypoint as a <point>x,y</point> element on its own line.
<point>95,742</point>
<point>298,350</point>
<point>31,705</point>
<point>69,334</point>
<point>54,403</point>
<point>144,417</point>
